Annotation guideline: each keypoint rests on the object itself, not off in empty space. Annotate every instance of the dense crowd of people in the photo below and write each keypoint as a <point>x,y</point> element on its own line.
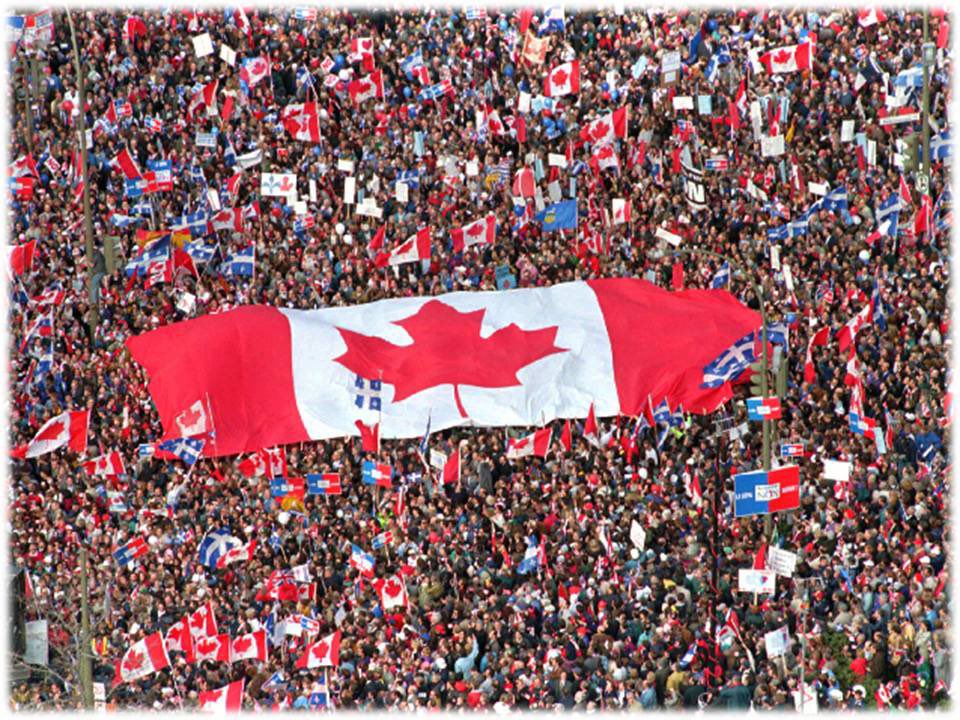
<point>602,621</point>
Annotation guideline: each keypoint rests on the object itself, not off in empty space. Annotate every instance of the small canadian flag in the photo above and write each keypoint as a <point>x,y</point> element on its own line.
<point>195,420</point>
<point>367,87</point>
<point>109,464</point>
<point>483,230</point>
<point>228,698</point>
<point>536,444</point>
<point>69,428</point>
<point>252,646</point>
<point>563,80</point>
<point>145,657</point>
<point>621,211</point>
<point>323,653</point>
<point>392,591</point>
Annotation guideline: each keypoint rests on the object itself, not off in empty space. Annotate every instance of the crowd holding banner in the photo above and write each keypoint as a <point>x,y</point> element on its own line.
<point>311,158</point>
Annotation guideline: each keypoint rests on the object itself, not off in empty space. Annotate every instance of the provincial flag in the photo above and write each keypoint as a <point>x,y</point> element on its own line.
<point>362,561</point>
<point>215,545</point>
<point>730,363</point>
<point>228,698</point>
<point>383,539</point>
<point>377,474</point>
<point>130,551</point>
<point>144,658</point>
<point>186,449</point>
<point>416,247</point>
<point>109,465</point>
<point>323,653</point>
<point>483,230</point>
<point>241,263</point>
<point>69,428</point>
<point>760,408</point>
<point>367,87</point>
<point>531,348</point>
<point>560,216</point>
<point>788,59</point>
<point>537,443</point>
<point>562,80</point>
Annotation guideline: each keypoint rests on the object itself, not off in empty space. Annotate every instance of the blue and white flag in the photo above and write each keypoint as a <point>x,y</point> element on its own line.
<point>240,263</point>
<point>215,545</point>
<point>553,21</point>
<point>200,251</point>
<point>731,362</point>
<point>940,147</point>
<point>186,449</point>
<point>531,558</point>
<point>778,333</point>
<point>911,77</point>
<point>722,278</point>
<point>122,221</point>
<point>410,178</point>
<point>834,200</point>
<point>304,78</point>
<point>426,439</point>
<point>888,215</point>
<point>156,251</point>
<point>196,223</point>
<point>411,63</point>
<point>721,57</point>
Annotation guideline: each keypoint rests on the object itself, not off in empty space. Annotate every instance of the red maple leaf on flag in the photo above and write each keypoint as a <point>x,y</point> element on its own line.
<point>362,86</point>
<point>782,57</point>
<point>198,620</point>
<point>258,66</point>
<point>52,432</point>
<point>190,417</point>
<point>392,588</point>
<point>102,464</point>
<point>208,645</point>
<point>600,130</point>
<point>365,44</point>
<point>242,644</point>
<point>213,695</point>
<point>604,152</point>
<point>429,361</point>
<point>321,649</point>
<point>559,77</point>
<point>476,230</point>
<point>133,662</point>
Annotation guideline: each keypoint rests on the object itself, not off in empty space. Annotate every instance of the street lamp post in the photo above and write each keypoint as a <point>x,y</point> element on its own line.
<point>928,58</point>
<point>87,217</point>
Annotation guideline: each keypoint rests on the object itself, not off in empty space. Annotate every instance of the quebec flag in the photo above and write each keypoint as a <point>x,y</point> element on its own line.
<point>215,545</point>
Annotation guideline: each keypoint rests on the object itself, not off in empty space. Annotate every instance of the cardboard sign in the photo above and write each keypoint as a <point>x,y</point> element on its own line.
<point>278,184</point>
<point>37,647</point>
<point>772,146</point>
<point>682,102</point>
<point>213,197</point>
<point>369,210</point>
<point>836,470</point>
<point>473,168</point>
<point>898,119</point>
<point>345,165</point>
<point>349,189</point>
<point>401,192</point>
<point>756,581</point>
<point>313,190</point>
<point>438,460</point>
<point>775,257</point>
<point>228,55</point>
<point>788,277</point>
<point>670,68</point>
<point>523,103</point>
<point>300,207</point>
<point>555,160</point>
<point>705,104</point>
<point>820,189</point>
<point>206,139</point>
<point>670,237</point>
<point>638,536</point>
<point>187,303</point>
<point>782,562</point>
<point>202,45</point>
<point>846,130</point>
<point>766,491</point>
<point>777,642</point>
<point>553,190</point>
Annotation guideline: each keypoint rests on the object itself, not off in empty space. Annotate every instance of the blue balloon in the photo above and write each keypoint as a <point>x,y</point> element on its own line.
<point>508,71</point>
<point>834,73</point>
<point>604,86</point>
<point>338,61</point>
<point>503,25</point>
<point>406,91</point>
<point>711,24</point>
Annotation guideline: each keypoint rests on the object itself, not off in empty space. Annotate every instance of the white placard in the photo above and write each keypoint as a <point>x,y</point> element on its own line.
<point>523,103</point>
<point>473,168</point>
<point>682,102</point>
<point>313,190</point>
<point>788,277</point>
<point>782,562</point>
<point>820,189</point>
<point>370,211</point>
<point>638,536</point>
<point>553,190</point>
<point>898,119</point>
<point>214,198</point>
<point>202,45</point>
<point>349,189</point>
<point>228,55</point>
<point>777,642</point>
<point>670,237</point>
<point>278,184</point>
<point>99,691</point>
<point>847,129</point>
<point>771,146</point>
<point>809,705</point>
<point>187,303</point>
<point>37,648</point>
<point>836,470</point>
<point>757,581</point>
<point>437,459</point>
<point>775,257</point>
<point>670,62</point>
<point>300,207</point>
<point>555,160</point>
<point>345,165</point>
<point>401,189</point>
<point>756,119</point>
<point>204,139</point>
<point>871,152</point>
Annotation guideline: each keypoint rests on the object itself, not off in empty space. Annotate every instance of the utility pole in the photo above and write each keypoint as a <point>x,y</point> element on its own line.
<point>86,672</point>
<point>802,628</point>
<point>87,219</point>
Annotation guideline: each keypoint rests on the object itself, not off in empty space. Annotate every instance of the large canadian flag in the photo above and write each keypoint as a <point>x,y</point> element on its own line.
<point>488,359</point>
<point>228,698</point>
<point>367,87</point>
<point>563,80</point>
<point>537,444</point>
<point>483,230</point>
<point>323,653</point>
<point>69,428</point>
<point>143,658</point>
<point>416,247</point>
<point>788,59</point>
